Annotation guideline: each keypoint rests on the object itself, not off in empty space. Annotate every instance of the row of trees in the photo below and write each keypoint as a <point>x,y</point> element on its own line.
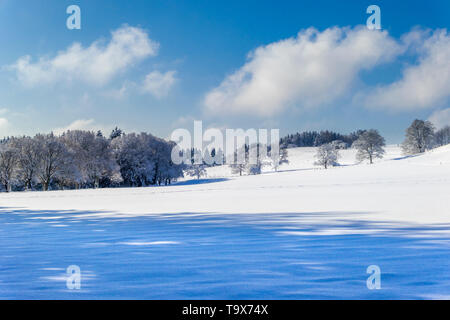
<point>420,136</point>
<point>243,162</point>
<point>83,159</point>
<point>369,145</point>
<point>318,138</point>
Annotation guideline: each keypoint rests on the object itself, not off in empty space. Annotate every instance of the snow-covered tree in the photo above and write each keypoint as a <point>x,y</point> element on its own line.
<point>442,136</point>
<point>257,158</point>
<point>161,155</point>
<point>213,158</point>
<point>339,144</point>
<point>327,155</point>
<point>283,159</point>
<point>240,160</point>
<point>369,145</point>
<point>197,166</point>
<point>250,159</point>
<point>144,159</point>
<point>116,133</point>
<point>92,157</point>
<point>27,160</point>
<point>8,164</point>
<point>68,175</point>
<point>134,159</point>
<point>316,139</point>
<point>53,156</point>
<point>197,170</point>
<point>419,137</point>
<point>171,172</point>
<point>238,168</point>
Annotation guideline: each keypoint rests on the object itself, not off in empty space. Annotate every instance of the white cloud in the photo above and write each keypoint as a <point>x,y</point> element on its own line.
<point>440,118</point>
<point>423,85</point>
<point>4,126</point>
<point>82,124</point>
<point>122,92</point>
<point>96,64</point>
<point>159,84</point>
<point>3,122</point>
<point>183,121</point>
<point>312,69</point>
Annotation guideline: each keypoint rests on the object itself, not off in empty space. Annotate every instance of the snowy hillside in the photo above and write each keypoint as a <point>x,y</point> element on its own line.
<point>302,232</point>
<point>303,158</point>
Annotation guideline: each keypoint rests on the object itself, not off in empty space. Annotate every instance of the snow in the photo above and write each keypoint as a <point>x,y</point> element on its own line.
<point>303,232</point>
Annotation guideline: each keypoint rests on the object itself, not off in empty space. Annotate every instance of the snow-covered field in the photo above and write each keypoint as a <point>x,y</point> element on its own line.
<point>300,233</point>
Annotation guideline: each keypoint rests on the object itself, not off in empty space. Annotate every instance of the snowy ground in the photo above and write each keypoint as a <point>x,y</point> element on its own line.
<point>300,233</point>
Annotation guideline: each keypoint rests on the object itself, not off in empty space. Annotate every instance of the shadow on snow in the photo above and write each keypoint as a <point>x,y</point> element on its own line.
<point>192,255</point>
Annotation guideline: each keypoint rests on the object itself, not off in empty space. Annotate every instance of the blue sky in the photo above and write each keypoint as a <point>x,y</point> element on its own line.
<point>191,60</point>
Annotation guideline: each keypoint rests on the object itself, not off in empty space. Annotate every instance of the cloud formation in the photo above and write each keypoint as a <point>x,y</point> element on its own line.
<point>81,124</point>
<point>312,69</point>
<point>4,126</point>
<point>96,64</point>
<point>422,85</point>
<point>159,84</point>
<point>440,118</point>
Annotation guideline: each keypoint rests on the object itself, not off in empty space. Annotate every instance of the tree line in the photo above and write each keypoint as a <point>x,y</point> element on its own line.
<point>420,136</point>
<point>85,159</point>
<point>318,138</point>
<point>242,160</point>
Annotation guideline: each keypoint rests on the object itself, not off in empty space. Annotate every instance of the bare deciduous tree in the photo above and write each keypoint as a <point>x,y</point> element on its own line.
<point>419,137</point>
<point>442,136</point>
<point>326,155</point>
<point>240,160</point>
<point>53,156</point>
<point>27,160</point>
<point>8,164</point>
<point>369,145</point>
<point>197,170</point>
<point>282,159</point>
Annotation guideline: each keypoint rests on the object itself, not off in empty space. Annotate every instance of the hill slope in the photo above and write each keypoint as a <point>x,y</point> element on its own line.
<point>413,189</point>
